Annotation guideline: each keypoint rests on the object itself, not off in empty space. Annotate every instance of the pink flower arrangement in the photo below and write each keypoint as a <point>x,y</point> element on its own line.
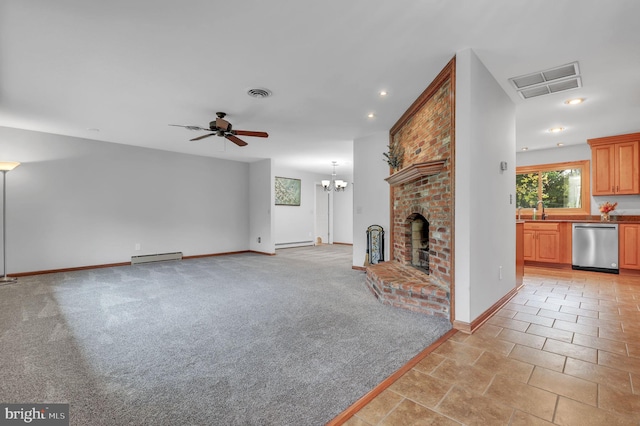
<point>607,207</point>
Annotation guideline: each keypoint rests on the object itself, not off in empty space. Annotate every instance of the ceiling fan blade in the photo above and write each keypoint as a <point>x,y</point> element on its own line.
<point>250,133</point>
<point>236,140</point>
<point>190,127</point>
<point>202,137</point>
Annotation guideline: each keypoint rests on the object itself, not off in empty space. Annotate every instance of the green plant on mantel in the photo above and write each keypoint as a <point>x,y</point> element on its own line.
<point>394,156</point>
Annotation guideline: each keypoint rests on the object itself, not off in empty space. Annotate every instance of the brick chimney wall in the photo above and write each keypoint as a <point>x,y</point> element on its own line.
<point>426,136</point>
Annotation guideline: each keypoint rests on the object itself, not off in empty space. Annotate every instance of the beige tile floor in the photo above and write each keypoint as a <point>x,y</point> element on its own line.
<point>565,351</point>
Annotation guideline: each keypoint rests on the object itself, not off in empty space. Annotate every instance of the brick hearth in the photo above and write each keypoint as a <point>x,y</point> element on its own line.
<point>407,287</point>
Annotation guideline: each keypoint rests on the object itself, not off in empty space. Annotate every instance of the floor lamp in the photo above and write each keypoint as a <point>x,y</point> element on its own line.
<point>5,166</point>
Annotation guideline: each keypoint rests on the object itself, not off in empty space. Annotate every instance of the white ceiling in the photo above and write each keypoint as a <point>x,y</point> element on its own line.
<point>131,67</point>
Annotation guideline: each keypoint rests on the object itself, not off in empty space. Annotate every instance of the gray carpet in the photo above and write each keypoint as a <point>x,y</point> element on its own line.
<point>246,339</point>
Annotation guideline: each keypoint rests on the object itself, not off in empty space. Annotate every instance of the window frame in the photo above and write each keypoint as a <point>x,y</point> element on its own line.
<point>585,192</point>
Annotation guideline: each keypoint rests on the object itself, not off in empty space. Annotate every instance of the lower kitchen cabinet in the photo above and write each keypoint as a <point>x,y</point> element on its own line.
<point>629,246</point>
<point>548,242</point>
<point>542,242</point>
<point>519,253</point>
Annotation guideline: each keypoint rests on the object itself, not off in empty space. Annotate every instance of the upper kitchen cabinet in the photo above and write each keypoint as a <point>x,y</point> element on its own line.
<point>616,164</point>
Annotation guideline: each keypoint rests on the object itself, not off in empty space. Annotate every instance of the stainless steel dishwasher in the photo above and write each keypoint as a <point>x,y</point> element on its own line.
<point>595,247</point>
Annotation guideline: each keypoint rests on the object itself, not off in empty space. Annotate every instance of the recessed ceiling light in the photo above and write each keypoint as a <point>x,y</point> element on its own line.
<point>556,129</point>
<point>575,101</point>
<point>525,148</point>
<point>560,144</point>
<point>383,93</point>
<point>93,129</point>
<point>371,115</point>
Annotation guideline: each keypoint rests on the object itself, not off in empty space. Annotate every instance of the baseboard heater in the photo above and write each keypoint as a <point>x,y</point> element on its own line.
<point>156,257</point>
<point>295,243</point>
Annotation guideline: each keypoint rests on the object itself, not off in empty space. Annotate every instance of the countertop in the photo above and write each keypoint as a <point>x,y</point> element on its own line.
<point>589,219</point>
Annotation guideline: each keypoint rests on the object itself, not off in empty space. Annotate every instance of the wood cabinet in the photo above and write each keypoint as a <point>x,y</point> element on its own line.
<point>616,165</point>
<point>519,253</point>
<point>629,246</point>
<point>542,242</point>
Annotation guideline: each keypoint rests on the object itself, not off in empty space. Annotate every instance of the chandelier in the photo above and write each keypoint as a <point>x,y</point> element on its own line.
<point>334,184</point>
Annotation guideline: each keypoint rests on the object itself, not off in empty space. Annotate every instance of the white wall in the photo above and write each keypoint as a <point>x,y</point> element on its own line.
<point>627,204</point>
<point>557,155</point>
<point>322,214</point>
<point>343,213</point>
<point>370,192</point>
<point>261,219</point>
<point>77,202</point>
<point>295,225</point>
<point>484,215</point>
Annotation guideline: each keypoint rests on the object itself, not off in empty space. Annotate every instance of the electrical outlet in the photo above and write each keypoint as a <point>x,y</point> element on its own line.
<point>500,272</point>
<point>259,240</point>
<point>137,247</point>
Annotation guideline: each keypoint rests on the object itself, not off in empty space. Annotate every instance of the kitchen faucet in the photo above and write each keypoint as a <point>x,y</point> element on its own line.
<point>519,212</point>
<point>543,216</point>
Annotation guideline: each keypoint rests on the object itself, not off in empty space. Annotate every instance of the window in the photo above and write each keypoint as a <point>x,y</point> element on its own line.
<point>562,187</point>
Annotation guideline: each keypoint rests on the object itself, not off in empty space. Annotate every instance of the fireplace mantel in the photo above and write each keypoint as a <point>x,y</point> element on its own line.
<point>416,171</point>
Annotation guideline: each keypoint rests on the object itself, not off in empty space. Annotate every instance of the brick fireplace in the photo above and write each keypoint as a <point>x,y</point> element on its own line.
<point>419,276</point>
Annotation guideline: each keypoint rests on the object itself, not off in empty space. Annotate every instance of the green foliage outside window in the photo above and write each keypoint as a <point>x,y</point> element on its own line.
<point>556,188</point>
<point>561,189</point>
<point>527,190</point>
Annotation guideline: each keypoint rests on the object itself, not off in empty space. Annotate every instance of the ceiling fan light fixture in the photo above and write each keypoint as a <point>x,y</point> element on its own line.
<point>259,92</point>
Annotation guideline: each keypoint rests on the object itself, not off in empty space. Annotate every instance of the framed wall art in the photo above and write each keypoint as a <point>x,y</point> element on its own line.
<point>287,191</point>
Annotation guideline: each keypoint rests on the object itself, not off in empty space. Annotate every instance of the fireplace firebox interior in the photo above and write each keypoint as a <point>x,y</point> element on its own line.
<point>419,229</point>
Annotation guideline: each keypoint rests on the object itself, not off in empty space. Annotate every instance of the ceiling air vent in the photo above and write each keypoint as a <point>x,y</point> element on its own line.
<point>572,83</point>
<point>554,80</point>
<point>259,93</point>
<point>534,91</point>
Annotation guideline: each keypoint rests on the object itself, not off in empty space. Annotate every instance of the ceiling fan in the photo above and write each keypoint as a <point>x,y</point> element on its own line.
<point>221,127</point>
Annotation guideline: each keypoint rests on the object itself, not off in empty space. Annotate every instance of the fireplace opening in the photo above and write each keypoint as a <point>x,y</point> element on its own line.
<point>419,240</point>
